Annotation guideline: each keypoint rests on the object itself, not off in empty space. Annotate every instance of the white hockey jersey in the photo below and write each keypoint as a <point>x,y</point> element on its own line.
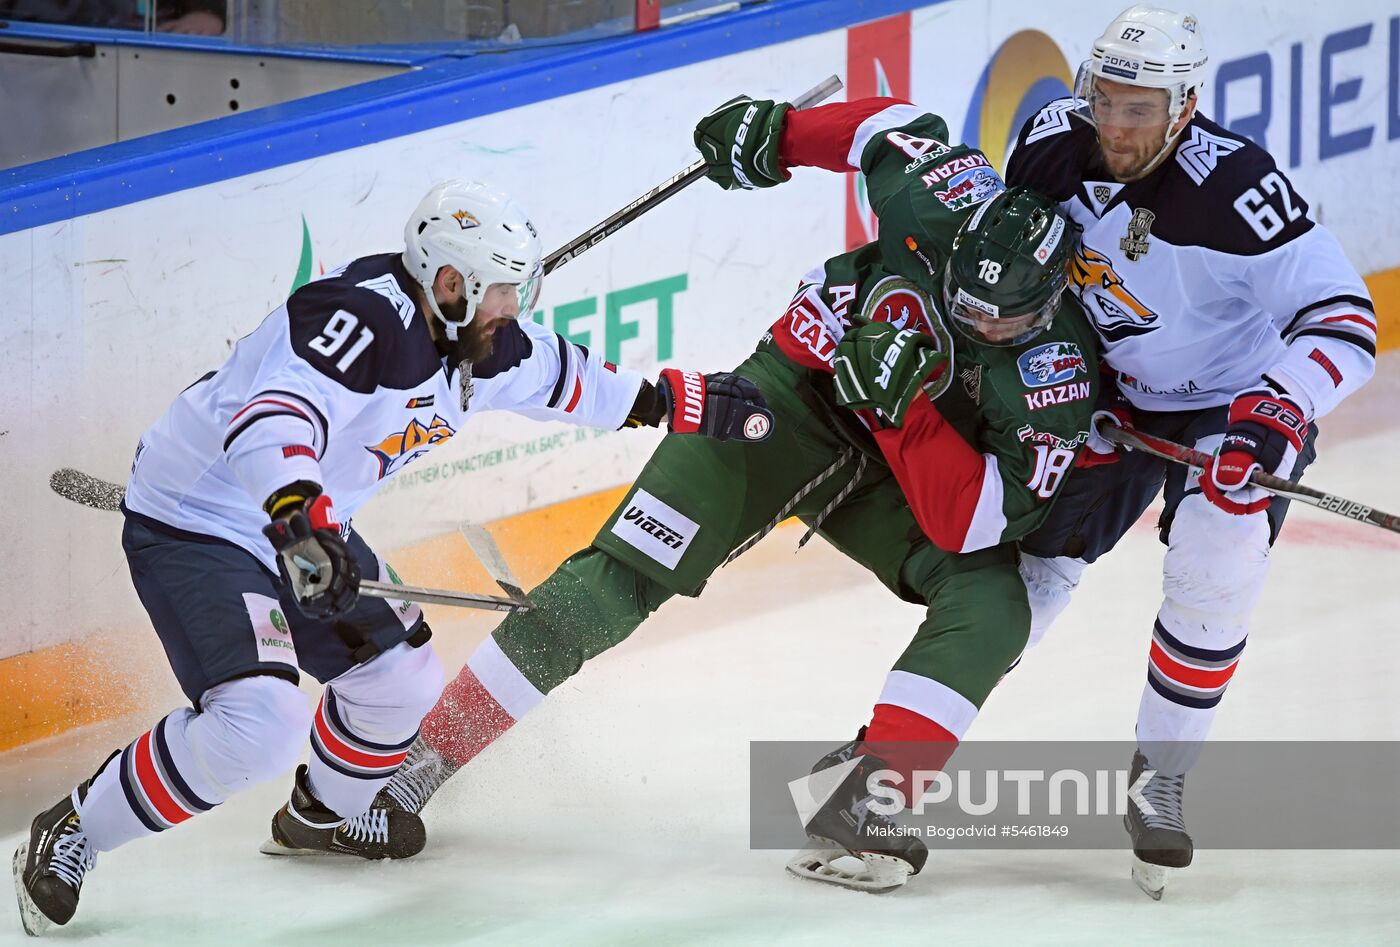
<point>343,386</point>
<point>1207,274</point>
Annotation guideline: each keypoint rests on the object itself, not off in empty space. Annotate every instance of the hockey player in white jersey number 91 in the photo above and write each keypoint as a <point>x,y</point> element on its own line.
<point>1232,321</point>
<point>237,555</point>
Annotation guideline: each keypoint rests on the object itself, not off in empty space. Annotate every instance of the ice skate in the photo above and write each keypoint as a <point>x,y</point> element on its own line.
<point>50,865</point>
<point>304,826</point>
<point>1159,838</point>
<point>851,845</point>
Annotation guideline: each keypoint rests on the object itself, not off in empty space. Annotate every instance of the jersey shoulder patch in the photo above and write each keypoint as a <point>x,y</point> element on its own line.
<point>1052,151</point>
<point>1053,119</point>
<point>362,328</point>
<point>1201,150</point>
<point>1225,193</point>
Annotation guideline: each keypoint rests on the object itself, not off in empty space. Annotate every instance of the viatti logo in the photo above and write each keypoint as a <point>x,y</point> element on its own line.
<point>653,527</point>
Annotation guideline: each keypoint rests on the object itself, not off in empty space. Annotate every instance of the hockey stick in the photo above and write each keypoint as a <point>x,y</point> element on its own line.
<point>417,593</point>
<point>1278,486</point>
<point>489,554</point>
<point>668,188</point>
<point>86,489</point>
<point>98,494</point>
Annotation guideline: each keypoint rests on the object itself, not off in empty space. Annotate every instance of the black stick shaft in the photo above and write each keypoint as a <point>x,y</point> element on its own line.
<point>663,191</point>
<point>1275,485</point>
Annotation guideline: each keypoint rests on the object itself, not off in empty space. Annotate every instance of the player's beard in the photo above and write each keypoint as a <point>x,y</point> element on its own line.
<point>474,340</point>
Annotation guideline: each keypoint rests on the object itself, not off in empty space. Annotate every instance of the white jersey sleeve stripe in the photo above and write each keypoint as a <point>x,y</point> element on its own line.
<point>564,364</point>
<point>892,117</point>
<point>989,519</point>
<point>274,403</point>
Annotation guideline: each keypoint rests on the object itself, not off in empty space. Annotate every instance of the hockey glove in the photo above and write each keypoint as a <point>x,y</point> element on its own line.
<point>314,561</point>
<point>1267,430</point>
<point>739,143</point>
<point>881,366</point>
<point>1099,450</point>
<point>721,405</point>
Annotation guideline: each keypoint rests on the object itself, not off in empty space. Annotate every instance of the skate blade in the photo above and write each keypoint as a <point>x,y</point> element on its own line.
<point>1152,879</point>
<point>878,872</point>
<point>274,847</point>
<point>34,920</point>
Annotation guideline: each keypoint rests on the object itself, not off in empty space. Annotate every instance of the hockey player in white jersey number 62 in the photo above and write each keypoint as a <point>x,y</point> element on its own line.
<point>1232,321</point>
<point>358,374</point>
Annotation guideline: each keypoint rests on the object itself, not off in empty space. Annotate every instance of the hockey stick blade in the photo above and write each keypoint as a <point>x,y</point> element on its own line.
<point>1278,486</point>
<point>86,489</point>
<point>417,593</point>
<point>666,189</point>
<point>483,544</point>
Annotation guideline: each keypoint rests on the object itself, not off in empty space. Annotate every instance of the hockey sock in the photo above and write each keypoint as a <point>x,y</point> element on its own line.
<point>908,742</point>
<point>1185,684</point>
<point>484,701</point>
<point>366,721</point>
<point>247,730</point>
<point>347,769</point>
<point>150,786</point>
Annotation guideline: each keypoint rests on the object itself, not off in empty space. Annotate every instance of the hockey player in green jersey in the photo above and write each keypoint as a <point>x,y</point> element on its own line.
<point>930,393</point>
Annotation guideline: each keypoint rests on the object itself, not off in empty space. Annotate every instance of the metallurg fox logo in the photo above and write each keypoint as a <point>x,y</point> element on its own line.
<point>1117,313</point>
<point>400,448</point>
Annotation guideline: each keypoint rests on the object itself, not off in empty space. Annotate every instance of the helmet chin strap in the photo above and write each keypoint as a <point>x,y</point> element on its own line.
<point>469,299</point>
<point>453,331</point>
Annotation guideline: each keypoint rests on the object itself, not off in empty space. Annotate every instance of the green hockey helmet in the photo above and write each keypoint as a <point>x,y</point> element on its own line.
<point>1008,268</point>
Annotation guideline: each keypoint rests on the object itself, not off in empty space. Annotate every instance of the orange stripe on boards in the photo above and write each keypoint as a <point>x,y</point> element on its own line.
<point>49,691</point>
<point>55,689</point>
<point>1385,293</point>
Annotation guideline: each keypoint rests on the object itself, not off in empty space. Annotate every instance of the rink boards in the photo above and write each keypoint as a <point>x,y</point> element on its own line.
<point>114,304</point>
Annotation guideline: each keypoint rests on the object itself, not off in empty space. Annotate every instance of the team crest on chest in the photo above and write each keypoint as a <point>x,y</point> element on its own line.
<point>901,303</point>
<point>400,448</point>
<point>1134,244</point>
<point>1116,312</point>
<point>972,382</point>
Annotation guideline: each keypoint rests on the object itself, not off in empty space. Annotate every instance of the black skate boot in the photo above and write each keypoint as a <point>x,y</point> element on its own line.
<point>304,826</point>
<point>851,845</point>
<point>1159,836</point>
<point>49,868</point>
<point>423,772</point>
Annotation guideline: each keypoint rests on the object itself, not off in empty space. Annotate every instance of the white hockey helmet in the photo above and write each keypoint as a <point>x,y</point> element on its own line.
<point>1147,47</point>
<point>481,233</point>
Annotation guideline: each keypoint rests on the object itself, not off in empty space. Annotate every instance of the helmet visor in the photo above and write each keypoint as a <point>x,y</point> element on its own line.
<point>1118,103</point>
<point>999,329</point>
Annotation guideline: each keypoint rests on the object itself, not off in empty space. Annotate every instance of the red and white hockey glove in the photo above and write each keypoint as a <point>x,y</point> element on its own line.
<point>720,405</point>
<point>314,561</point>
<point>1267,430</point>
<point>1099,450</point>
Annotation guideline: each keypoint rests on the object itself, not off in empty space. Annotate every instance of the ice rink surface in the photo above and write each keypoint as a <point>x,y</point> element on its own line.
<point>617,813</point>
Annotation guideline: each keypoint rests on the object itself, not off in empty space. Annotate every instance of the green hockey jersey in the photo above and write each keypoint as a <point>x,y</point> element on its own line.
<point>982,459</point>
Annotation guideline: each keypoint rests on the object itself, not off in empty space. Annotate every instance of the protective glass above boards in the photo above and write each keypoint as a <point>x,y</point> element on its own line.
<point>448,25</point>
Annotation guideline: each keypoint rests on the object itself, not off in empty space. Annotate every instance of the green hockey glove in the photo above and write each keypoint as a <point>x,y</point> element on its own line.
<point>739,142</point>
<point>883,367</point>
